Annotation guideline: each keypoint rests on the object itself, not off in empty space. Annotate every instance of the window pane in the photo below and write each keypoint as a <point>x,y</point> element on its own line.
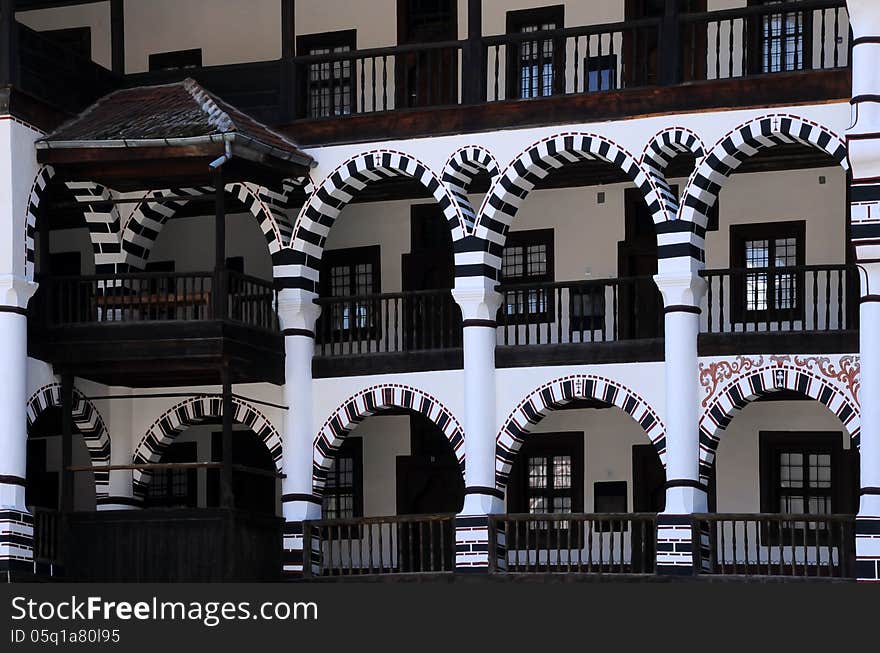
<point>757,253</point>
<point>538,473</point>
<point>561,472</point>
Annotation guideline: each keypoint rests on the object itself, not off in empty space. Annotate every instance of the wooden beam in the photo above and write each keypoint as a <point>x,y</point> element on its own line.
<point>67,487</point>
<point>288,28</point>
<point>474,63</point>
<point>289,72</point>
<point>117,36</point>
<point>219,299</point>
<point>8,45</point>
<point>227,497</point>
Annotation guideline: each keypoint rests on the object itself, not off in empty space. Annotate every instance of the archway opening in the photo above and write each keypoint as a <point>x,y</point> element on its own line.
<point>583,493</point>
<point>45,465</point>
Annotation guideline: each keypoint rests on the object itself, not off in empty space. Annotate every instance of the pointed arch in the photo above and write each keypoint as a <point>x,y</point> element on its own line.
<point>531,410</point>
<point>747,140</point>
<point>302,261</point>
<point>514,184</point>
<point>191,412</point>
<point>88,422</point>
<point>370,401</point>
<point>732,385</point>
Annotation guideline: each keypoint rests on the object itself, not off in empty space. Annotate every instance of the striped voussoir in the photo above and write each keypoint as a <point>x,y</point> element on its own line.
<point>669,144</point>
<point>195,411</point>
<point>38,190</point>
<point>743,142</point>
<point>756,383</point>
<point>150,215</point>
<point>102,219</point>
<point>513,185</point>
<point>864,198</point>
<point>372,400</point>
<point>300,263</point>
<point>88,422</point>
<point>460,171</point>
<point>523,419</point>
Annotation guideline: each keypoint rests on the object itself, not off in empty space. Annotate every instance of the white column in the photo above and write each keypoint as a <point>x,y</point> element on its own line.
<point>863,149</point>
<point>682,291</point>
<point>479,301</point>
<point>16,523</point>
<point>297,313</point>
<point>122,443</point>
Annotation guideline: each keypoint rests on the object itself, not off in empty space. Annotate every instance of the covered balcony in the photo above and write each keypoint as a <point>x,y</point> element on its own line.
<point>653,59</point>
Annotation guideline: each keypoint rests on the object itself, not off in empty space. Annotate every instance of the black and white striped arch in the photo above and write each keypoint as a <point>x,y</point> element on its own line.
<point>88,422</point>
<point>196,411</point>
<point>755,383</point>
<point>370,401</point>
<point>299,265</point>
<point>526,416</point>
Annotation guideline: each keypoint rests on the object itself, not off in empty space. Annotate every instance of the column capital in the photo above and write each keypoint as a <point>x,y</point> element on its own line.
<point>16,291</point>
<point>864,15</point>
<point>680,287</point>
<point>478,298</point>
<point>297,310</point>
<point>869,278</point>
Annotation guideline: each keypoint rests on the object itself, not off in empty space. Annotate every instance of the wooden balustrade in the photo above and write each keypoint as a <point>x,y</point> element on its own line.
<point>154,297</point>
<point>797,298</point>
<point>816,546</point>
<point>600,310</point>
<point>607,543</point>
<point>423,320</point>
<point>421,544</point>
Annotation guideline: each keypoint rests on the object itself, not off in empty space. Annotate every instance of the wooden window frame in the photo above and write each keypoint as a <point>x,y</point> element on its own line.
<point>771,445</point>
<point>525,239</point>
<point>770,231</point>
<point>756,40</point>
<point>327,40</point>
<point>352,447</point>
<point>352,257</point>
<point>192,498</point>
<point>515,21</point>
<point>548,445</point>
<point>171,60</point>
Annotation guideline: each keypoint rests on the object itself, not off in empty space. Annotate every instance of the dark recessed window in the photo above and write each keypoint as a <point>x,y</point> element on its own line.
<point>805,474</point>
<point>175,488</point>
<point>75,39</point>
<point>176,60</point>
<point>343,491</point>
<point>329,89</point>
<point>548,478</point>
<point>610,497</point>
<point>769,285</point>
<point>352,274</point>
<point>535,68</point>
<point>527,259</point>
<point>601,73</point>
<point>782,40</point>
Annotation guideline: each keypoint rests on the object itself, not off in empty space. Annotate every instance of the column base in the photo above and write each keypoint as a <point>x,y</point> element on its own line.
<point>678,554</point>
<point>868,548</point>
<point>16,540</point>
<point>472,531</point>
<point>296,562</point>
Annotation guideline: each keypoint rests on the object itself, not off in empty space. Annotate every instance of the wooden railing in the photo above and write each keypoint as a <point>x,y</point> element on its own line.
<point>600,310</point>
<point>767,39</point>
<point>422,320</point>
<point>798,298</point>
<point>422,544</point>
<point>573,543</point>
<point>572,60</point>
<point>777,545</point>
<point>47,536</point>
<point>154,297</point>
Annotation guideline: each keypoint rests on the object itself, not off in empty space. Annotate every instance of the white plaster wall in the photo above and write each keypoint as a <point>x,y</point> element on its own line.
<point>384,438</point>
<point>18,168</point>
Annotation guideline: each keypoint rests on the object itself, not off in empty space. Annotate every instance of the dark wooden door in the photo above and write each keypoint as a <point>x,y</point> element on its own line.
<point>649,495</point>
<point>429,482</point>
<point>640,304</point>
<point>429,77</point>
<point>429,323</point>
<point>642,57</point>
<point>253,491</point>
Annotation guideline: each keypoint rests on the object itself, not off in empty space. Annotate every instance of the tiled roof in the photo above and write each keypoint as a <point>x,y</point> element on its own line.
<point>169,111</point>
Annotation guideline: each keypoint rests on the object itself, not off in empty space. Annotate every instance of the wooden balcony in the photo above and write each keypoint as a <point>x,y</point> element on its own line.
<point>158,329</point>
<point>718,59</point>
<point>758,310</point>
<point>585,547</point>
